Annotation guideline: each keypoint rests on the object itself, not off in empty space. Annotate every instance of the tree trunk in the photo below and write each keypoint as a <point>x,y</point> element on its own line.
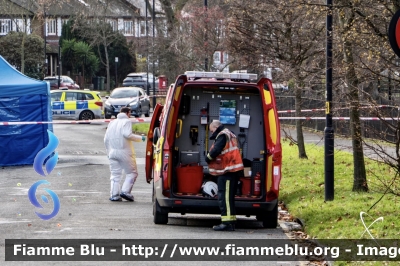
<point>107,68</point>
<point>299,125</point>
<point>359,176</point>
<point>23,54</point>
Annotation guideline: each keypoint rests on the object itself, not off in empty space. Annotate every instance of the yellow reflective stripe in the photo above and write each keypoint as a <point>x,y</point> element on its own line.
<point>228,218</point>
<point>272,126</point>
<point>209,157</point>
<point>227,203</point>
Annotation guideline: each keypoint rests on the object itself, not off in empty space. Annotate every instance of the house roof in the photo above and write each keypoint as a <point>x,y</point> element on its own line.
<point>111,8</point>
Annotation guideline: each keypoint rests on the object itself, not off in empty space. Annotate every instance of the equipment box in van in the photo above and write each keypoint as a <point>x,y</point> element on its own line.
<point>178,141</point>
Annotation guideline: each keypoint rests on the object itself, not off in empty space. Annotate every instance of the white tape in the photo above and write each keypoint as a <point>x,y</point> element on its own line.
<point>342,108</point>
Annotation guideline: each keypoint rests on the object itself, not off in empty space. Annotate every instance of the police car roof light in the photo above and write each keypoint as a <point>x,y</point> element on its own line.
<point>220,75</point>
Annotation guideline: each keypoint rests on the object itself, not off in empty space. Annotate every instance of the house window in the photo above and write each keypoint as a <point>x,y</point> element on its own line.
<point>225,57</point>
<point>142,28</point>
<point>128,28</point>
<point>113,24</point>
<point>5,26</point>
<point>51,26</point>
<point>19,25</point>
<point>64,21</point>
<point>217,57</point>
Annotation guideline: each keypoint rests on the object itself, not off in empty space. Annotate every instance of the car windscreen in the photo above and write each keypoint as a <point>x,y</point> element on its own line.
<point>124,93</point>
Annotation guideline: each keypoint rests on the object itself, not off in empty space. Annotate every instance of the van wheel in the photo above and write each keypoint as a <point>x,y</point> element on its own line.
<point>86,115</point>
<point>107,116</point>
<point>160,214</point>
<point>269,218</point>
<point>148,113</point>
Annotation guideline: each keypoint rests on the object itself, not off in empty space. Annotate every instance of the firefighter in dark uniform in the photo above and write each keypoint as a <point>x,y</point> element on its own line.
<point>224,161</point>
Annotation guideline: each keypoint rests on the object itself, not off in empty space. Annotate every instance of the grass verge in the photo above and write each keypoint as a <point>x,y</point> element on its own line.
<point>141,128</point>
<point>302,190</point>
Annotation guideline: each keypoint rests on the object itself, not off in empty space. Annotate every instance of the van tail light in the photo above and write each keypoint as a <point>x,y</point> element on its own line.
<point>99,104</point>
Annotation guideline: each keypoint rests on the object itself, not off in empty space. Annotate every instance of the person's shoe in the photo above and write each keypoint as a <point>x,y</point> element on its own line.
<point>224,227</point>
<point>127,196</point>
<point>115,198</point>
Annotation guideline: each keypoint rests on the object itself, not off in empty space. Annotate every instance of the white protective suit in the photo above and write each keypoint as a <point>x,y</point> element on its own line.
<point>121,154</point>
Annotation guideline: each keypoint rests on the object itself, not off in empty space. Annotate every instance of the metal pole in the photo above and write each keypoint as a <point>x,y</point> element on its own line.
<point>205,39</point>
<point>116,79</point>
<point>147,54</point>
<point>328,132</point>
<point>59,64</point>
<point>154,81</point>
<point>44,36</point>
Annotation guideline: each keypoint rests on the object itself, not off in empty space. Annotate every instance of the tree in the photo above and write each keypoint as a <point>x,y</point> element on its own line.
<point>290,37</point>
<point>32,49</point>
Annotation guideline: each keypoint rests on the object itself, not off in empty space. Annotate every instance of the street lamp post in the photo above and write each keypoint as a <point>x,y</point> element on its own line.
<point>147,53</point>
<point>205,38</point>
<point>328,132</point>
<point>116,79</point>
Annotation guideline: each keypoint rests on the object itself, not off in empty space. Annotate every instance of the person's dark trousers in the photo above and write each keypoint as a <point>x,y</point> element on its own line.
<point>227,185</point>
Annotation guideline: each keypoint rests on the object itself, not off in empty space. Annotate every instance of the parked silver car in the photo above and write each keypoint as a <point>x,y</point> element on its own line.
<point>133,97</point>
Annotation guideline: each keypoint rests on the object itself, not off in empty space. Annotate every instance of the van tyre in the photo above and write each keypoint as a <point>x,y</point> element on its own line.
<point>86,115</point>
<point>160,213</point>
<point>269,218</point>
<point>148,113</point>
<point>107,116</point>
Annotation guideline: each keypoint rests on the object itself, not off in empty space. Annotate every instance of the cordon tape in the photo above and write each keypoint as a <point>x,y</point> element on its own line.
<point>148,119</point>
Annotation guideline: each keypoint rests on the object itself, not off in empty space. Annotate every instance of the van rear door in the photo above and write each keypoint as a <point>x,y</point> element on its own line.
<point>152,137</point>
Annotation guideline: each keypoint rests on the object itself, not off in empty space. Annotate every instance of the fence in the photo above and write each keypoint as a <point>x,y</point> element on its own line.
<point>374,128</point>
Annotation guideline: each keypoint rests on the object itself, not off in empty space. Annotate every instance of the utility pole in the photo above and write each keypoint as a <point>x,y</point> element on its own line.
<point>205,37</point>
<point>328,132</point>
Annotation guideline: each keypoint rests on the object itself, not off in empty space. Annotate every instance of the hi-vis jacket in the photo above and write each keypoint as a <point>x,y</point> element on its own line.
<point>229,160</point>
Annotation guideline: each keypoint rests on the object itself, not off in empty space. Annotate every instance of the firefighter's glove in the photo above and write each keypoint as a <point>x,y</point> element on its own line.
<point>208,160</point>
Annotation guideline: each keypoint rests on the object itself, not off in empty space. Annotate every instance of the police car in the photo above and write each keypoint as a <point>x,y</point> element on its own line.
<point>76,104</point>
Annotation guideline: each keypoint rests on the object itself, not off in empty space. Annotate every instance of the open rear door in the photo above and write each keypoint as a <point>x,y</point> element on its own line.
<point>152,137</point>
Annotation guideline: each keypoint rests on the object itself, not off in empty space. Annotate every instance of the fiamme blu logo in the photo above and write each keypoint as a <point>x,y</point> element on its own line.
<point>48,158</point>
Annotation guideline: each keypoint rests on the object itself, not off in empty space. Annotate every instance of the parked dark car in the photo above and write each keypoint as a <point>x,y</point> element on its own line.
<point>65,82</point>
<point>138,80</point>
<point>133,97</point>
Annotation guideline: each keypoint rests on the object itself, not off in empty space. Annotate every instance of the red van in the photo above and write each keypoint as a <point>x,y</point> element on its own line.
<point>178,140</point>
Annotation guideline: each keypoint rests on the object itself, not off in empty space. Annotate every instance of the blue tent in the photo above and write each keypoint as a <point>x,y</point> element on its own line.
<point>22,99</point>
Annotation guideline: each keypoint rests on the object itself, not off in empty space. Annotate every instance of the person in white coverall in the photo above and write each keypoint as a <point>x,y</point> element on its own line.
<point>120,152</point>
